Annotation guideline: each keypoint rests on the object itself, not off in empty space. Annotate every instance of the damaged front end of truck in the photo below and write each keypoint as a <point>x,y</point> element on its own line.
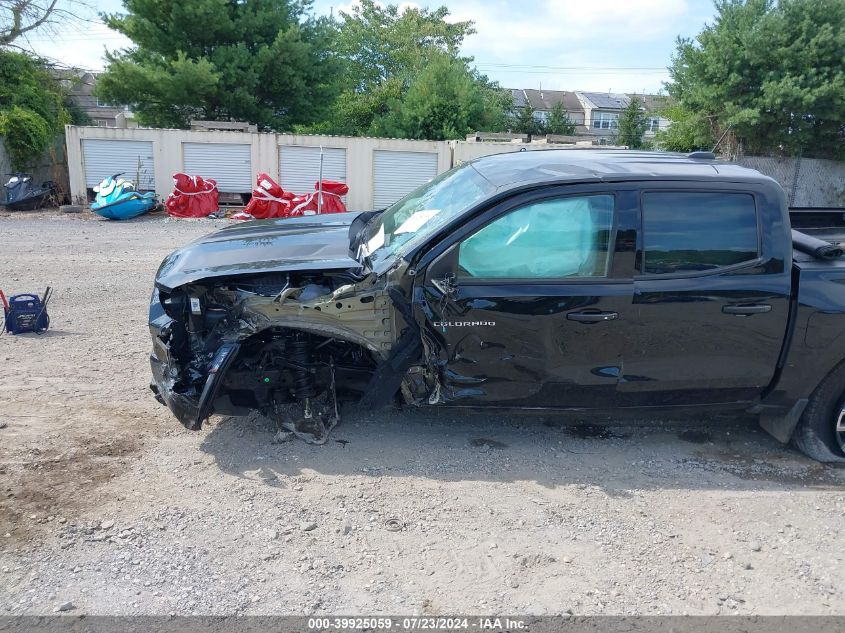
<point>236,329</point>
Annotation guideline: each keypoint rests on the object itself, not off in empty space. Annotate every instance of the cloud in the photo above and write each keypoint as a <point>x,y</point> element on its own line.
<point>506,27</point>
<point>513,41</point>
<point>79,47</point>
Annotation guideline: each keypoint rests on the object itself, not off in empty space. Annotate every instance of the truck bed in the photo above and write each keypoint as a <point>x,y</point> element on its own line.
<point>824,223</point>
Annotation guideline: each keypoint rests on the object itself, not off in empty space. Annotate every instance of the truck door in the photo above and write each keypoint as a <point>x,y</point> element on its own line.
<point>711,297</point>
<point>529,308</point>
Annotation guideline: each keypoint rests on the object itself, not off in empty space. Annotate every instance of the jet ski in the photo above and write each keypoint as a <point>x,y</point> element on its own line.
<point>117,199</point>
<point>21,194</point>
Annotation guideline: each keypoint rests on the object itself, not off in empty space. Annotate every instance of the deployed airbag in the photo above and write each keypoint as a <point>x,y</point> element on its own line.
<point>563,237</point>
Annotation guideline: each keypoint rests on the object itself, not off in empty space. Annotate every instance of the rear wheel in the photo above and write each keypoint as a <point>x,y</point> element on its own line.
<point>820,433</point>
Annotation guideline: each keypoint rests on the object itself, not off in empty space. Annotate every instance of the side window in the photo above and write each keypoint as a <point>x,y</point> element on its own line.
<point>560,237</point>
<point>691,232</point>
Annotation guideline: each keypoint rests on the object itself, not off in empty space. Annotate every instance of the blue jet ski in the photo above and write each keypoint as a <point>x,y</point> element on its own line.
<point>117,199</point>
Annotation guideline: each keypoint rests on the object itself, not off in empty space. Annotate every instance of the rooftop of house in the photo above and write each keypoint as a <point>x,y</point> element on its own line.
<point>578,99</point>
<point>518,97</point>
<point>547,99</point>
<point>606,100</point>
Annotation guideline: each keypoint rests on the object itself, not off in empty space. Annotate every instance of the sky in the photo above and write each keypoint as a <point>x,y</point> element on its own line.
<point>609,45</point>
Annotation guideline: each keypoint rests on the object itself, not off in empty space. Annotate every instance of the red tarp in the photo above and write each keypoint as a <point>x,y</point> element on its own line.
<point>192,197</point>
<point>308,204</point>
<point>269,200</point>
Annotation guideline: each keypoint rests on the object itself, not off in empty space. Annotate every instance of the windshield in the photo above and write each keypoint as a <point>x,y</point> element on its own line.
<point>419,215</point>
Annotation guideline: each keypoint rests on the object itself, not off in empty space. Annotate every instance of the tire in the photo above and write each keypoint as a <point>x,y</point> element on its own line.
<point>816,434</point>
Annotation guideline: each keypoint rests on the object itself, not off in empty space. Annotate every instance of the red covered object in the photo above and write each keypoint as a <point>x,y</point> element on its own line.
<point>308,204</point>
<point>268,200</point>
<point>192,197</point>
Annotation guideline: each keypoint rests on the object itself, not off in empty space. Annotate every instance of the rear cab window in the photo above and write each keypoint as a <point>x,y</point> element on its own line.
<point>688,232</point>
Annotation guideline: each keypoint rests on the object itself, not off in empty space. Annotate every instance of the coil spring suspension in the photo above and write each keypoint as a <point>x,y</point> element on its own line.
<point>304,382</point>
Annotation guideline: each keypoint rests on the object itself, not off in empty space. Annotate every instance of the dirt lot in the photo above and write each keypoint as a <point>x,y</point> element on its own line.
<point>109,507</point>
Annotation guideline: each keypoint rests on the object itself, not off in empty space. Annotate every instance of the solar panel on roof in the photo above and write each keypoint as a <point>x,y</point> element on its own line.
<point>605,100</point>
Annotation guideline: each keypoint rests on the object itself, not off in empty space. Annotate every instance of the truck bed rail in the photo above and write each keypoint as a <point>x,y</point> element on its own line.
<point>824,223</point>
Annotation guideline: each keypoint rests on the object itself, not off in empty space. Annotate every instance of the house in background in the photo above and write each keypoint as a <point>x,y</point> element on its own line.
<point>595,114</point>
<point>542,101</point>
<point>654,105</point>
<point>603,109</point>
<point>80,85</point>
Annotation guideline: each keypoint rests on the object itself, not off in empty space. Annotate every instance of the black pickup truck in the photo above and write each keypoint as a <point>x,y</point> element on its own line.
<point>560,280</point>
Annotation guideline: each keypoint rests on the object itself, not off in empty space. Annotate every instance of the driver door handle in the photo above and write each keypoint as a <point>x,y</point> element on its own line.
<point>592,317</point>
<point>742,310</point>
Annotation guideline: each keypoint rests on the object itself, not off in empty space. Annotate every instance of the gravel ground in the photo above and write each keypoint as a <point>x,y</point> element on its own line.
<point>109,507</point>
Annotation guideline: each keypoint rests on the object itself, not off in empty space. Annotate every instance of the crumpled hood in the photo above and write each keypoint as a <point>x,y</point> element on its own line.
<point>262,246</point>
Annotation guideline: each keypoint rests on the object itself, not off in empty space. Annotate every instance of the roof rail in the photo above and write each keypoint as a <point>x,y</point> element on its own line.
<point>702,155</point>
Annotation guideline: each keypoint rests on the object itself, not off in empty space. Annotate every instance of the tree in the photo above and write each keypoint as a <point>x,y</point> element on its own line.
<point>446,101</point>
<point>688,132</point>
<point>401,68</point>
<point>633,123</point>
<point>767,75</point>
<point>524,121</point>
<point>33,108</point>
<point>261,61</point>
<point>559,121</point>
<point>21,18</point>
<point>381,42</point>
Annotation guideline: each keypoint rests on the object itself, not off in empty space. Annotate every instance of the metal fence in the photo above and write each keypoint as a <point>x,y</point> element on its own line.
<point>808,182</point>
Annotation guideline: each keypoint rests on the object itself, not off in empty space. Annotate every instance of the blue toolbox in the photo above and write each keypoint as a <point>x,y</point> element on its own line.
<point>26,313</point>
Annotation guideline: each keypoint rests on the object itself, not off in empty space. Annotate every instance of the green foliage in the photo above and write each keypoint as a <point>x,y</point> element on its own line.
<point>26,135</point>
<point>770,73</point>
<point>446,101</point>
<point>689,131</point>
<point>559,121</point>
<point>523,121</point>
<point>32,108</point>
<point>261,61</point>
<point>381,42</point>
<point>402,76</point>
<point>633,122</point>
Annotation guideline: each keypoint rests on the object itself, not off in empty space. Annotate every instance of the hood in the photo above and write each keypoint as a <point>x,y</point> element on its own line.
<point>263,246</point>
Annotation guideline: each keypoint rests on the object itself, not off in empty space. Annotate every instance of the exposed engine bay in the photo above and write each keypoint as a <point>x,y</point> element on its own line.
<point>289,345</point>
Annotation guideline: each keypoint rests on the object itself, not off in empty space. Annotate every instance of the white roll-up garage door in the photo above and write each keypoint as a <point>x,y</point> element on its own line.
<point>106,157</point>
<point>230,164</point>
<point>299,166</point>
<point>396,174</point>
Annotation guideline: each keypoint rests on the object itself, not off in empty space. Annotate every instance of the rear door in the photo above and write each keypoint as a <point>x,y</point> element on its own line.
<point>711,297</point>
<point>528,308</point>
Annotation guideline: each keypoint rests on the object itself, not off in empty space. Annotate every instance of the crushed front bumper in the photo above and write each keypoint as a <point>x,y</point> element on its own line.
<point>185,408</point>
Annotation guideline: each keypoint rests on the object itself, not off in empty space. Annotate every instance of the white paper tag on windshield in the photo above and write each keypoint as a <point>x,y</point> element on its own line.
<point>413,224</point>
<point>376,241</point>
